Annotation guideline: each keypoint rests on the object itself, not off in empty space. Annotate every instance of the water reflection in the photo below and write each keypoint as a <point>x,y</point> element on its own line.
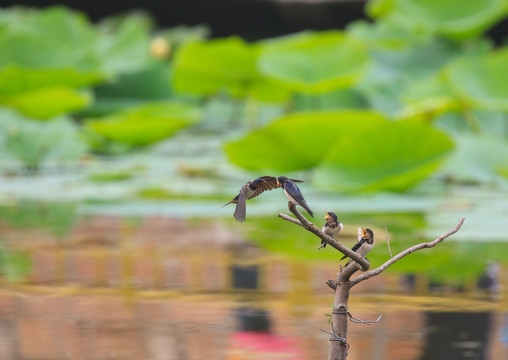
<point>106,287</point>
<point>457,335</point>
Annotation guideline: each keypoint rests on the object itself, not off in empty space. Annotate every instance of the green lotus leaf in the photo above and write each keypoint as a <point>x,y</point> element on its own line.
<point>297,141</point>
<point>387,156</point>
<point>481,81</point>
<point>427,99</point>
<point>395,72</point>
<point>132,89</point>
<point>315,63</point>
<point>350,150</point>
<point>124,45</point>
<point>35,143</point>
<point>15,79</point>
<point>48,102</point>
<point>228,65</point>
<point>47,39</point>
<point>387,35</point>
<point>57,37</point>
<point>453,18</point>
<point>474,162</point>
<point>146,124</point>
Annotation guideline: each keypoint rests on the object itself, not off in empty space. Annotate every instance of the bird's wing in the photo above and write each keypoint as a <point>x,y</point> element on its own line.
<point>269,184</point>
<point>273,181</point>
<point>240,211</point>
<point>358,244</point>
<point>354,248</point>
<point>294,192</point>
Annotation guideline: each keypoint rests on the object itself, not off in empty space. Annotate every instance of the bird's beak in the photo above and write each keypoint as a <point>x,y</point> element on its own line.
<point>364,233</point>
<point>278,183</point>
<point>326,215</point>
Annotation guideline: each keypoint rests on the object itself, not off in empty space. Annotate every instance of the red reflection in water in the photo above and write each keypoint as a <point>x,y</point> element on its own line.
<point>254,345</point>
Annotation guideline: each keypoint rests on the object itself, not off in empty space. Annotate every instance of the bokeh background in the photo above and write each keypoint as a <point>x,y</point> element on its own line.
<point>125,127</point>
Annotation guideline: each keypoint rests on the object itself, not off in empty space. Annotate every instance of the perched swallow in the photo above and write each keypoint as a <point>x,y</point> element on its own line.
<point>250,190</point>
<point>363,246</point>
<point>293,193</point>
<point>331,228</point>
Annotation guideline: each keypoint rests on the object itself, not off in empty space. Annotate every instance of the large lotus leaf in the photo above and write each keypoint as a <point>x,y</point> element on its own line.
<point>227,64</point>
<point>387,35</point>
<point>124,46</point>
<point>56,22</point>
<point>386,156</point>
<point>48,102</point>
<point>315,63</point>
<point>427,99</point>
<point>395,71</point>
<point>145,124</point>
<point>479,158</point>
<point>454,18</point>
<point>57,37</point>
<point>132,89</point>
<point>47,38</point>
<point>35,143</point>
<point>297,141</point>
<point>14,79</point>
<point>481,81</point>
<point>347,98</point>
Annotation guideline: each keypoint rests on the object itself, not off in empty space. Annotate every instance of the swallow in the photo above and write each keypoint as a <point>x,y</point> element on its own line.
<point>363,246</point>
<point>331,228</point>
<point>293,193</point>
<point>250,190</point>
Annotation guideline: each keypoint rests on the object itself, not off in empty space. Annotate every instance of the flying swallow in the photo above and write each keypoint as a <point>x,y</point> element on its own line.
<point>293,193</point>
<point>363,246</point>
<point>250,190</point>
<point>332,227</point>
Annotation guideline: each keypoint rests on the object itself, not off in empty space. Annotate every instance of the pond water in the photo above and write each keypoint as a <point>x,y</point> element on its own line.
<point>99,281</point>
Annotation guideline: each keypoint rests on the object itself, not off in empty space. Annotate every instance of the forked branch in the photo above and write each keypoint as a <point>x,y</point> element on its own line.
<point>302,221</point>
<point>404,253</point>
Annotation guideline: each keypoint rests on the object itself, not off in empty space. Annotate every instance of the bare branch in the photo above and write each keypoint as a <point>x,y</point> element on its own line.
<point>360,321</point>
<point>364,264</point>
<point>290,219</point>
<point>332,283</point>
<point>404,253</point>
<point>388,242</point>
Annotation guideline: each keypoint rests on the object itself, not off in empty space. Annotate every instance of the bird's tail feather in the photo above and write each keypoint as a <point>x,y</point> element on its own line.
<point>240,211</point>
<point>226,204</point>
<point>306,207</point>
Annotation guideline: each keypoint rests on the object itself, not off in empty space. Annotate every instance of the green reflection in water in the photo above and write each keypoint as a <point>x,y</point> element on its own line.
<point>14,265</point>
<point>57,217</point>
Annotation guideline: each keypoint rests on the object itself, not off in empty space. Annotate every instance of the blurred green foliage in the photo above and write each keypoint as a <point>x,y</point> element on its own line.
<point>381,105</point>
<point>58,218</point>
<point>358,151</point>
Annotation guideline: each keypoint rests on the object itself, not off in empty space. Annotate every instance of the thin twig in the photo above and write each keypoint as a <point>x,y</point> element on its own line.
<point>404,253</point>
<point>302,221</point>
<point>388,242</point>
<point>360,321</point>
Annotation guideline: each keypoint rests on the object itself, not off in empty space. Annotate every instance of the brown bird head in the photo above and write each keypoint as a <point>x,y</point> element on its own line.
<point>368,235</point>
<point>330,216</point>
<point>281,180</point>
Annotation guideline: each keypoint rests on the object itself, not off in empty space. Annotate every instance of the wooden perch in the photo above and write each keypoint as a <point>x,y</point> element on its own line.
<point>338,340</point>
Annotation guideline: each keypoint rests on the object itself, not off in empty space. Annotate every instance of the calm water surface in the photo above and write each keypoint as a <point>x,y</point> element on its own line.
<point>161,287</point>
